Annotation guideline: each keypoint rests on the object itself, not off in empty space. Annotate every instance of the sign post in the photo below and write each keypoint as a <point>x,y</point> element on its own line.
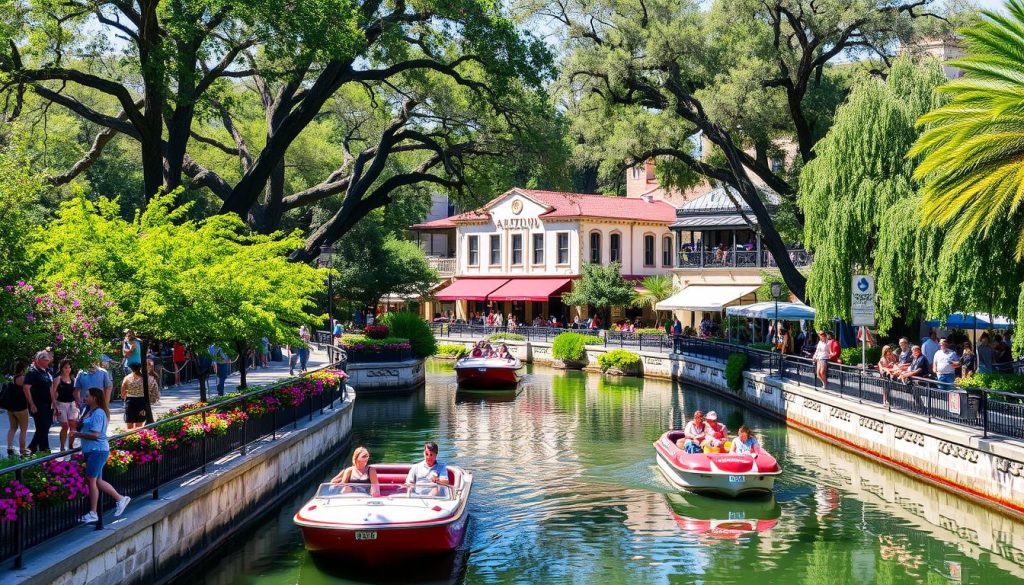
<point>862,309</point>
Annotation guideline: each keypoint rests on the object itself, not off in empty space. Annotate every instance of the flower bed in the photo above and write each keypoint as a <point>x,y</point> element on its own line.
<point>55,481</point>
<point>361,348</point>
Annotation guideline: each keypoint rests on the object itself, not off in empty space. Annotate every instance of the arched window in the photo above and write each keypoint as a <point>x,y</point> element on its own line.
<point>595,247</point>
<point>615,248</point>
<point>648,250</point>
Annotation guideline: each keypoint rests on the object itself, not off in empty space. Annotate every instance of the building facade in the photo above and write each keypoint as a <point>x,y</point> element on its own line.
<point>518,253</point>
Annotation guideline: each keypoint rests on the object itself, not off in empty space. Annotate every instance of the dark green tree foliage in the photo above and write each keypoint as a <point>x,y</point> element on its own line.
<point>859,198</point>
<point>601,287</point>
<point>373,262</point>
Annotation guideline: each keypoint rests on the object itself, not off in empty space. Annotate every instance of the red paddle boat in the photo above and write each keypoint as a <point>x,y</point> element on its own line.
<point>487,373</point>
<point>389,521</point>
<point>719,518</point>
<point>729,474</point>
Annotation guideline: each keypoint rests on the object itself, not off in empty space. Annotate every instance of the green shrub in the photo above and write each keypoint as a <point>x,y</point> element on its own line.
<point>651,331</point>
<point>621,359</point>
<point>413,328</point>
<point>734,367</point>
<point>762,345</point>
<point>451,350</point>
<point>505,337</point>
<point>689,331</point>
<point>572,346</point>
<point>851,355</point>
<point>998,382</point>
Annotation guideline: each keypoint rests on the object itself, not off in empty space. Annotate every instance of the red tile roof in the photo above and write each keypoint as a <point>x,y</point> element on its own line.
<point>571,205</point>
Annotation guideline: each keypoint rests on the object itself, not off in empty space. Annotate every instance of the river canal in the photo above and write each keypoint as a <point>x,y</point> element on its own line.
<point>567,491</point>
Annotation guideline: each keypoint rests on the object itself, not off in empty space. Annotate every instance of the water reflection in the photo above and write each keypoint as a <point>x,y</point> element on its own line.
<point>567,491</point>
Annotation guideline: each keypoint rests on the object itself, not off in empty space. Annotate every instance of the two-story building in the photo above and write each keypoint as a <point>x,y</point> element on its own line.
<point>518,253</point>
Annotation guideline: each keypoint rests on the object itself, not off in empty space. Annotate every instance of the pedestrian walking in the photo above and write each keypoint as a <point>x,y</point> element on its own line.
<point>305,336</point>
<point>821,353</point>
<point>16,405</point>
<point>221,366</point>
<point>95,376</point>
<point>136,412</point>
<point>178,358</point>
<point>38,388</point>
<point>68,401</point>
<point>131,347</point>
<point>96,449</point>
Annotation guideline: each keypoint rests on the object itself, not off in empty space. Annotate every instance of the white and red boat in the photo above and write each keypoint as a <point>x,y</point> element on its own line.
<point>487,373</point>
<point>729,474</point>
<point>389,521</point>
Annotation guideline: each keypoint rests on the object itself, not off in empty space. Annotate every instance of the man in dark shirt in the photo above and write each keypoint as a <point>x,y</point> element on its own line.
<point>38,390</point>
<point>919,366</point>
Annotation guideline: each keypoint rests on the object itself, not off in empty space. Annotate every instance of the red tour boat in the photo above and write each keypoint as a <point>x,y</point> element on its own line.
<point>729,474</point>
<point>390,521</point>
<point>487,373</point>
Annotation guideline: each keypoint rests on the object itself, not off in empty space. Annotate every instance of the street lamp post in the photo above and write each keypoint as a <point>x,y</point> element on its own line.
<point>776,292</point>
<point>326,260</point>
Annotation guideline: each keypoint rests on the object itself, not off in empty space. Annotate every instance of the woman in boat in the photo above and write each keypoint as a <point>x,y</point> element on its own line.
<point>745,442</point>
<point>504,354</point>
<point>478,350</point>
<point>694,433</point>
<point>359,472</point>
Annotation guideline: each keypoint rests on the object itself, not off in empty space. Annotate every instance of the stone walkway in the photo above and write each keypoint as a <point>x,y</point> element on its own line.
<point>173,397</point>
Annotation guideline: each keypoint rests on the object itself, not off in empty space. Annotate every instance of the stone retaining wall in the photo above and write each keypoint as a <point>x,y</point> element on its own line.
<point>157,539</point>
<point>988,470</point>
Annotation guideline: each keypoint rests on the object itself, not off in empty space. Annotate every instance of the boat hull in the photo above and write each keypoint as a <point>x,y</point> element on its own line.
<point>720,484</point>
<point>484,376</point>
<point>386,543</point>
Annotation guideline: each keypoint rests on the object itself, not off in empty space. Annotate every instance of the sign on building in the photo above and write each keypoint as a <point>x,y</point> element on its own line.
<point>862,300</point>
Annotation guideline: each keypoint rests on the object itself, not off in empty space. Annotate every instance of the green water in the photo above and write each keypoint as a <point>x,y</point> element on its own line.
<point>567,491</point>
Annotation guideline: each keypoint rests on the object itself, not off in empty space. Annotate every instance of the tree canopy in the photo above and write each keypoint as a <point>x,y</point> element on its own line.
<point>600,287</point>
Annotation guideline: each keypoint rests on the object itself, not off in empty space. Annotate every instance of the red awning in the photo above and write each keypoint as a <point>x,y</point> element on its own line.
<point>530,289</point>
<point>470,289</point>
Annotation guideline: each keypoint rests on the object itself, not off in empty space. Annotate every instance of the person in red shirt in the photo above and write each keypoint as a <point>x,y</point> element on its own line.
<point>178,357</point>
<point>834,350</point>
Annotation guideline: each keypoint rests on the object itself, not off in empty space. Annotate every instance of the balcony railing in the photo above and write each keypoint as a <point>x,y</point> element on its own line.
<point>738,258</point>
<point>443,266</point>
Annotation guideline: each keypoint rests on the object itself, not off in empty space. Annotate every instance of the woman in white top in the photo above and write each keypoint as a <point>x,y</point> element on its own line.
<point>745,442</point>
<point>821,353</point>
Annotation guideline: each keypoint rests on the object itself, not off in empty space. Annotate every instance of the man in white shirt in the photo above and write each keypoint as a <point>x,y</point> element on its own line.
<point>930,346</point>
<point>427,472</point>
<point>945,363</point>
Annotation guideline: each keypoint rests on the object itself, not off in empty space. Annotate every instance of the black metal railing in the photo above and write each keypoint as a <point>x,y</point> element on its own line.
<point>44,521</point>
<point>986,410</point>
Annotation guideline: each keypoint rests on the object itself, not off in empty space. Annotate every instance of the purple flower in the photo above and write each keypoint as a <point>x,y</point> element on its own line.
<point>76,303</point>
<point>60,337</point>
<point>30,317</point>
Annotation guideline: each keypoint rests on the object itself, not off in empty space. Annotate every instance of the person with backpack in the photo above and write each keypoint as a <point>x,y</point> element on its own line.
<point>12,398</point>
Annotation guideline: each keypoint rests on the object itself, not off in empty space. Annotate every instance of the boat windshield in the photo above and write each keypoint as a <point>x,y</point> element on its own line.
<point>362,490</point>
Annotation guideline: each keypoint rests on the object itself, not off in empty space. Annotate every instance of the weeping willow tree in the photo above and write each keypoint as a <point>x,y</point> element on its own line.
<point>860,199</point>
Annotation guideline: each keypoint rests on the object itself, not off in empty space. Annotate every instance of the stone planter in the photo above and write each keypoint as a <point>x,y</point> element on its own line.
<point>626,372</point>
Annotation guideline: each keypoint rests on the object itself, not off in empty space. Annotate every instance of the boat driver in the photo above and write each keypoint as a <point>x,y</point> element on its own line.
<point>694,433</point>
<point>426,477</point>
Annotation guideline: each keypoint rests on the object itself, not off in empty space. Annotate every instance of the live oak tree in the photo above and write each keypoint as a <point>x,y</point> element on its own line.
<point>648,78</point>
<point>166,72</point>
<point>172,278</point>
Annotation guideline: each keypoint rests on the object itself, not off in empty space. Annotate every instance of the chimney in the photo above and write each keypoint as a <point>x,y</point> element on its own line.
<point>649,170</point>
<point>648,197</point>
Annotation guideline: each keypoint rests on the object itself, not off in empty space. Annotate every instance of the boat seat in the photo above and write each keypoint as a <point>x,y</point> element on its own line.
<point>675,436</point>
<point>388,474</point>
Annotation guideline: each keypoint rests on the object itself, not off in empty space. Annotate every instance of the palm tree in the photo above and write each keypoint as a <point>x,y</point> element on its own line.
<point>973,146</point>
<point>653,290</point>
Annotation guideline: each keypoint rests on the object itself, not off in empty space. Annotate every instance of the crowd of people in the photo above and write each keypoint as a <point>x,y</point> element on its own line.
<point>482,349</point>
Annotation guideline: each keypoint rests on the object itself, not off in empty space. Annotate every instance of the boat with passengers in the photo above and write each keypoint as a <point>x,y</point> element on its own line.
<point>389,520</point>
<point>728,474</point>
<point>487,373</point>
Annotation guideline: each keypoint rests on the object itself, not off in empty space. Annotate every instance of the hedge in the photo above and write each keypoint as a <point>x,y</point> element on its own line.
<point>621,359</point>
<point>651,331</point>
<point>851,355</point>
<point>506,337</point>
<point>998,382</point>
<point>415,329</point>
<point>572,346</point>
<point>451,350</point>
<point>734,367</point>
<point>361,342</point>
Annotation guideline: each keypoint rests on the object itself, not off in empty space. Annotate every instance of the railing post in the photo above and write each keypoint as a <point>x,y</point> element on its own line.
<point>156,479</point>
<point>860,386</point>
<point>19,529</point>
<point>204,443</point>
<point>929,405</point>
<point>984,414</point>
<point>273,423</point>
<point>245,447</point>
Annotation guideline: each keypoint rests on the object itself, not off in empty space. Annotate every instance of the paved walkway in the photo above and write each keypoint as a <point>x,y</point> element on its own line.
<point>173,397</point>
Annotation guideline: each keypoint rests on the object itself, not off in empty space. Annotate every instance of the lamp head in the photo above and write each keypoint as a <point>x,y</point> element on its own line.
<point>776,290</point>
